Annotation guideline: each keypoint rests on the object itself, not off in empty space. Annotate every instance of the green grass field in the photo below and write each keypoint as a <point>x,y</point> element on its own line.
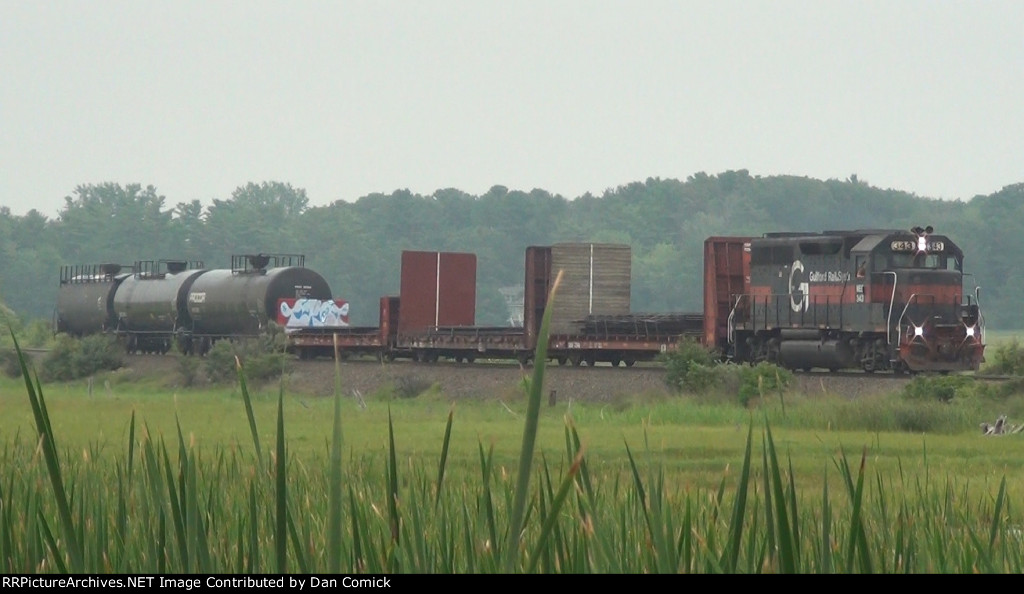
<point>129,476</point>
<point>695,443</point>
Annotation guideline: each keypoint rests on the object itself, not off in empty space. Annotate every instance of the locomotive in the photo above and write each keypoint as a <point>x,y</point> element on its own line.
<point>873,299</point>
<point>156,305</point>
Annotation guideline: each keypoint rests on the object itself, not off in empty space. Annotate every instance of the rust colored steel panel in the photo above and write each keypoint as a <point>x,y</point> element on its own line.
<point>596,280</point>
<point>390,306</point>
<point>726,277</point>
<point>536,288</point>
<point>437,289</point>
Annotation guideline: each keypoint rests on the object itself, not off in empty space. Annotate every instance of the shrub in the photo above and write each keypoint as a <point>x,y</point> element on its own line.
<point>941,388</point>
<point>219,363</point>
<point>410,386</point>
<point>72,358</point>
<point>1007,359</point>
<point>690,367</point>
<point>9,362</point>
<point>188,368</point>
<point>36,334</point>
<point>762,379</point>
<point>262,359</point>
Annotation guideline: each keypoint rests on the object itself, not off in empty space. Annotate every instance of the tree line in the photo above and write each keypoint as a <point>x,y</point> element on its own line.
<point>356,245</point>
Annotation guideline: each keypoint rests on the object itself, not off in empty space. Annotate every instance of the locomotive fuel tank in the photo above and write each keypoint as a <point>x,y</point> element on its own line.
<point>155,303</point>
<point>85,298</point>
<point>243,302</point>
<point>806,354</point>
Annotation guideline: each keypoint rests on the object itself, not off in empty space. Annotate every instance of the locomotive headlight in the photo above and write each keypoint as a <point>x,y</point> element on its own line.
<point>970,331</point>
<point>922,244</point>
<point>918,331</point>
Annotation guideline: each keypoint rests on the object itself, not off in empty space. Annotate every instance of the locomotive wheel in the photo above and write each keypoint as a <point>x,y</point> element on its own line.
<point>630,361</point>
<point>576,360</point>
<point>562,360</point>
<point>615,361</point>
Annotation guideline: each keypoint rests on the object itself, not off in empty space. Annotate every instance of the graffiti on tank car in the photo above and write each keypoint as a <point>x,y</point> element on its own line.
<point>305,313</point>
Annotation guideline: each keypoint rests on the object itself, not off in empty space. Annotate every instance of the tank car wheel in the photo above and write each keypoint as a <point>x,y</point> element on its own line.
<point>132,344</point>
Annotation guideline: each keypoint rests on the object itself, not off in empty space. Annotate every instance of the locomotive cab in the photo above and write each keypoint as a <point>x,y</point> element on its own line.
<point>937,326</point>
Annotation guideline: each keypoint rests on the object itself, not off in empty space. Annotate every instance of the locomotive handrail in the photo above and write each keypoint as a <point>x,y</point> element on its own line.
<point>780,301</point>
<point>899,323</point>
<point>892,300</point>
<point>730,325</point>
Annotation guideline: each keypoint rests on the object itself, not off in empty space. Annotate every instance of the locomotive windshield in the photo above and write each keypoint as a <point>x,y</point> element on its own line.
<point>927,261</point>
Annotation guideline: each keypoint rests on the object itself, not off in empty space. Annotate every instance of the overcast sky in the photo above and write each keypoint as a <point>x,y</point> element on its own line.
<point>347,98</point>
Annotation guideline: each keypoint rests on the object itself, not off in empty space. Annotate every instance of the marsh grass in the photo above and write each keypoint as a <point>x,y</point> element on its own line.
<point>173,506</point>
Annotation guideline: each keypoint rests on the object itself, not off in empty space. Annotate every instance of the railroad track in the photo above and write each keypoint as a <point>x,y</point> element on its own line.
<point>600,368</point>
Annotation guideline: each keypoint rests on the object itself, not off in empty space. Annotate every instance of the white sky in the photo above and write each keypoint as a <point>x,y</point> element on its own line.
<point>346,98</point>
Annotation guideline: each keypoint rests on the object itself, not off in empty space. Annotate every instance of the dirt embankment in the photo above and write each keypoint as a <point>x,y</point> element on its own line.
<point>475,380</point>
